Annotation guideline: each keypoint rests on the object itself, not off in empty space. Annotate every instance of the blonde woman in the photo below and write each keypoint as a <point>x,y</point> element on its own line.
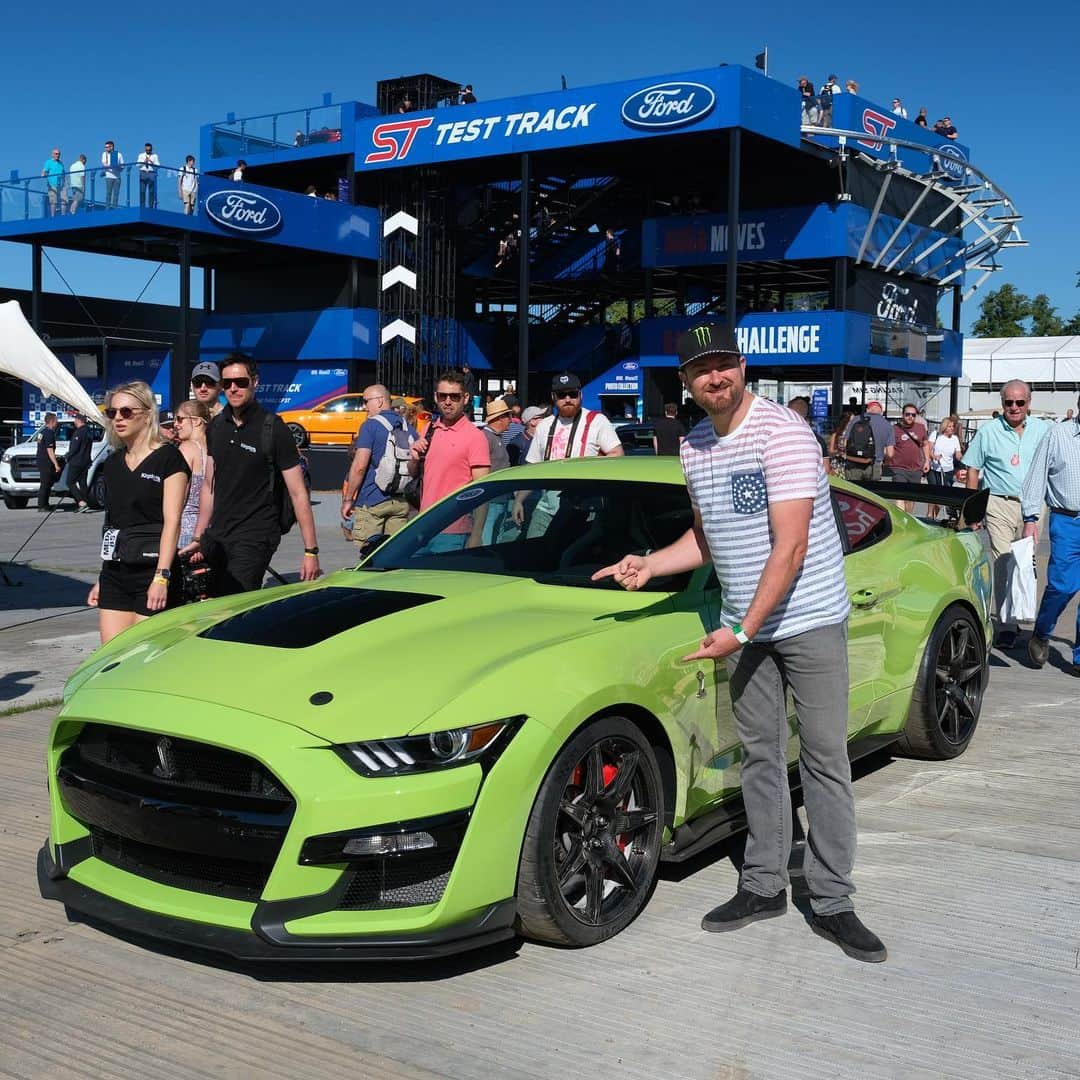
<point>945,452</point>
<point>191,420</point>
<point>146,480</point>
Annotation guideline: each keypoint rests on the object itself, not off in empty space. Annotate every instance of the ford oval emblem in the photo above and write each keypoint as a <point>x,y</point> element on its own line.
<point>952,161</point>
<point>630,365</point>
<point>243,211</point>
<point>668,105</point>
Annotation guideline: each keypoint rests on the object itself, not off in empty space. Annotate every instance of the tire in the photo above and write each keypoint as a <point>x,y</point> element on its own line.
<point>300,436</point>
<point>949,689</point>
<point>606,776</point>
<point>16,502</point>
<point>97,491</point>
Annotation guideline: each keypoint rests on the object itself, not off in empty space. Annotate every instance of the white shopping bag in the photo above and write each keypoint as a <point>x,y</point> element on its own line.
<point>1018,604</point>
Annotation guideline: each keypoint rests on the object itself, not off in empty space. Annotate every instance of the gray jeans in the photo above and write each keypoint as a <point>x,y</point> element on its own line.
<point>814,665</point>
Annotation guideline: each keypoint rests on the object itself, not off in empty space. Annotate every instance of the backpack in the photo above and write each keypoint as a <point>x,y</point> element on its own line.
<point>284,512</point>
<point>860,441</point>
<point>392,469</point>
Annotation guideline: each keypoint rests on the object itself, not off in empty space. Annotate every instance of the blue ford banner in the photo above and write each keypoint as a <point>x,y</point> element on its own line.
<point>244,211</point>
<point>709,99</point>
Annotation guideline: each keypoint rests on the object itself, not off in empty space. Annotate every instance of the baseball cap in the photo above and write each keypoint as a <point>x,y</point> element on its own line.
<point>704,340</point>
<point>874,405</point>
<point>495,409</point>
<point>166,418</point>
<point>398,402</point>
<point>533,412</point>
<point>211,371</point>
<point>567,381</point>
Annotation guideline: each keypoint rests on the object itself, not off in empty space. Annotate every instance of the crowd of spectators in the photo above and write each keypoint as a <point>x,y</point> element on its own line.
<point>817,106</point>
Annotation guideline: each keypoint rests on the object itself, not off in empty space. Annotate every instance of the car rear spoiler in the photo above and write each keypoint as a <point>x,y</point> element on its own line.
<point>965,508</point>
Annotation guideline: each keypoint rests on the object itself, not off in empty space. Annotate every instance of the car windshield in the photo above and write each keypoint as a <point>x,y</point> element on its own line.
<point>64,430</point>
<point>560,535</point>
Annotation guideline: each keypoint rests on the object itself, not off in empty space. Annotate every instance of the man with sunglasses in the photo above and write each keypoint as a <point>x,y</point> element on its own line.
<point>911,452</point>
<point>571,431</point>
<point>250,454</point>
<point>206,386</point>
<point>453,452</point>
<point>999,458</point>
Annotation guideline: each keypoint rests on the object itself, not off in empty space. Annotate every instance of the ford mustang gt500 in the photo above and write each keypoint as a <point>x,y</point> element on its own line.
<point>452,744</point>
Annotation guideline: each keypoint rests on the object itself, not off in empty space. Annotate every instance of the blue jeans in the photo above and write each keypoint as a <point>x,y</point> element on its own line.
<point>148,190</point>
<point>1062,578</point>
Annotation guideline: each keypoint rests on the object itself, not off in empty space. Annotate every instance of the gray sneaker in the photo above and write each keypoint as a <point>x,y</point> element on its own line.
<point>1038,650</point>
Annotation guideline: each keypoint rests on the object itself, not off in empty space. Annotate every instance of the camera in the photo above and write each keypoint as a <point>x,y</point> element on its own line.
<point>196,581</point>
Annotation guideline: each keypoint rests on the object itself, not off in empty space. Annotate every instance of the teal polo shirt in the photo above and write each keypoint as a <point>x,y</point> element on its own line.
<point>993,449</point>
<point>54,172</point>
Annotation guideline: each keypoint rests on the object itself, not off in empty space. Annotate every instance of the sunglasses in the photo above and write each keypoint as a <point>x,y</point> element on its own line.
<point>125,412</point>
<point>568,394</point>
<point>242,382</point>
<point>369,400</point>
<point>448,397</point>
<point>203,381</point>
<point>1006,402</point>
<point>910,414</point>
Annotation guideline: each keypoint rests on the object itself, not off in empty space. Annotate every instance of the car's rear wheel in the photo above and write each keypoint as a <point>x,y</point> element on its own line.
<point>98,491</point>
<point>592,846</point>
<point>16,502</point>
<point>300,436</point>
<point>949,689</point>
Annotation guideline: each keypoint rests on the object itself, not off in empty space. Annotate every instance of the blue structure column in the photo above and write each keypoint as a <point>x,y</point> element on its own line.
<point>734,176</point>
<point>523,285</point>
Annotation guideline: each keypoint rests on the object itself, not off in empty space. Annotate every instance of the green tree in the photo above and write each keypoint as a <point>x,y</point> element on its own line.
<point>1045,321</point>
<point>1002,313</point>
<point>1073,325</point>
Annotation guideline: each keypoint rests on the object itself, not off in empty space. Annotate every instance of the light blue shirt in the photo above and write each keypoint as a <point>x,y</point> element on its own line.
<point>54,173</point>
<point>994,449</point>
<point>1054,476</point>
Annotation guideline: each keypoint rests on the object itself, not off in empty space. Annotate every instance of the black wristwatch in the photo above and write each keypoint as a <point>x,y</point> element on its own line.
<point>311,551</point>
<point>1030,519</point>
<point>165,573</point>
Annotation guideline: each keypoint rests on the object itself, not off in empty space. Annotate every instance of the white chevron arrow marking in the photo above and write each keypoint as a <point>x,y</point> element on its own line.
<point>399,274</point>
<point>398,328</point>
<point>400,220</point>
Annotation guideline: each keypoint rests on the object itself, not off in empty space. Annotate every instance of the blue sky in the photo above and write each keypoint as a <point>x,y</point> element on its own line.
<point>1005,73</point>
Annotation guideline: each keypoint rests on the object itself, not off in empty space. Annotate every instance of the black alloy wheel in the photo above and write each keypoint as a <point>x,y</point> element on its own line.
<point>593,844</point>
<point>949,691</point>
<point>98,491</point>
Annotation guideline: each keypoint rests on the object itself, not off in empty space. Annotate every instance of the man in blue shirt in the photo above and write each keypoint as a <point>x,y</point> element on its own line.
<point>373,511</point>
<point>1054,478</point>
<point>53,171</point>
<point>999,458</point>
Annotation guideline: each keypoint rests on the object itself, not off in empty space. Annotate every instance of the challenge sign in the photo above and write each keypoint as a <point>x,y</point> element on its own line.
<point>244,211</point>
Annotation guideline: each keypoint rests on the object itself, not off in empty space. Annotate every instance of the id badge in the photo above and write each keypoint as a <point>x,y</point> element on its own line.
<point>108,544</point>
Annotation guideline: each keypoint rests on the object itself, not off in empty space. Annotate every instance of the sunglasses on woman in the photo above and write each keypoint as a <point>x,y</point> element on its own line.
<point>242,382</point>
<point>125,412</point>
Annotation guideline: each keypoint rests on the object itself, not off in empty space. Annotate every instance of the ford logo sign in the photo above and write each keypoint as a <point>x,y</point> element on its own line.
<point>630,365</point>
<point>243,210</point>
<point>668,105</point>
<point>952,161</point>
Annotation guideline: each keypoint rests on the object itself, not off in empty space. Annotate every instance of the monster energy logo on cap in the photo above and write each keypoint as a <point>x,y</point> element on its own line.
<point>705,339</point>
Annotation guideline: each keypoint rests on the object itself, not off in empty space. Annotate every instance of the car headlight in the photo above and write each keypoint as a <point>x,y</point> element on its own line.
<point>7,457</point>
<point>438,750</point>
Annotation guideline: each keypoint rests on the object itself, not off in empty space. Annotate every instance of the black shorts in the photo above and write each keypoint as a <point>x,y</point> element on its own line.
<point>238,563</point>
<point>122,587</point>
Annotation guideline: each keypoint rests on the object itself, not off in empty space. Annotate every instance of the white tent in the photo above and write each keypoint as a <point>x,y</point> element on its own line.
<point>1033,359</point>
<point>25,355</point>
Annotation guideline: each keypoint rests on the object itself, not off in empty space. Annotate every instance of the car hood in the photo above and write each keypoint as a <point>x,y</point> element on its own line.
<point>363,655</point>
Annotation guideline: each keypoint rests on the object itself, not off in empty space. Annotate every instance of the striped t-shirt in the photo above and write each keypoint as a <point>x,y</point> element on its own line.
<point>772,456</point>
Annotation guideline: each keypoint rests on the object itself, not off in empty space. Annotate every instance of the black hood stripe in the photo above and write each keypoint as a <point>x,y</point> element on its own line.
<point>311,617</point>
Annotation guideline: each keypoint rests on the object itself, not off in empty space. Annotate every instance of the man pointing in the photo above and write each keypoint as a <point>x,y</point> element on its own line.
<point>763,516</point>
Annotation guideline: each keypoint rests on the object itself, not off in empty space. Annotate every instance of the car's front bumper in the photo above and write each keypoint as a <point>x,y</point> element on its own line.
<point>268,939</point>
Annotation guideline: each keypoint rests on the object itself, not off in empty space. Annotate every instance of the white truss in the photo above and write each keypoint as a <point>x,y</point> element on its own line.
<point>984,209</point>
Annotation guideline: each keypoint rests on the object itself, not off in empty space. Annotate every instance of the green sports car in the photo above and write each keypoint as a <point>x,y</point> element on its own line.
<point>453,744</point>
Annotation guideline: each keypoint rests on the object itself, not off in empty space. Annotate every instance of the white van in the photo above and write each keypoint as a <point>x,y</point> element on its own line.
<point>19,477</point>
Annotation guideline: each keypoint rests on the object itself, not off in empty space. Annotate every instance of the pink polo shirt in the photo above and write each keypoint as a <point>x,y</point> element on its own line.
<point>453,454</point>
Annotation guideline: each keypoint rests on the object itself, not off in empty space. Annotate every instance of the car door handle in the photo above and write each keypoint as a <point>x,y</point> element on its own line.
<point>867,598</point>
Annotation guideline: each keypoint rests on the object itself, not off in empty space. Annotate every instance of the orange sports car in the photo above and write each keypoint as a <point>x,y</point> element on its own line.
<point>336,422</point>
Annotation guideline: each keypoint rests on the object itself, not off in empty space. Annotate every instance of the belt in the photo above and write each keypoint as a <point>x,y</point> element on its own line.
<point>1062,510</point>
<point>1010,498</point>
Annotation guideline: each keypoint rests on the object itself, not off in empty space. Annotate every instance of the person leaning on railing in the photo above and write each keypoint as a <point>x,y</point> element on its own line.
<point>76,183</point>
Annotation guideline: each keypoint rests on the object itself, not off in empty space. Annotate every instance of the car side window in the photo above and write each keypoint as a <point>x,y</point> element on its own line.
<point>861,523</point>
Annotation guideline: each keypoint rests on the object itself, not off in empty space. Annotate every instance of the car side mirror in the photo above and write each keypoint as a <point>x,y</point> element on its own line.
<point>372,543</point>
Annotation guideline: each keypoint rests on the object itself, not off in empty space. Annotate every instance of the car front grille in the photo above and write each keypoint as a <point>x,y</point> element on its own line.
<point>176,811</point>
<point>395,882</point>
<point>232,878</point>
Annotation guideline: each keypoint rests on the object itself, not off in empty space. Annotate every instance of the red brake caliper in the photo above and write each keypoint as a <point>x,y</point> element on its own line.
<point>609,774</point>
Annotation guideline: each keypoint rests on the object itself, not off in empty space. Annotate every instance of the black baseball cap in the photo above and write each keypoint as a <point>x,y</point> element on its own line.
<point>704,340</point>
<point>566,381</point>
<point>166,418</point>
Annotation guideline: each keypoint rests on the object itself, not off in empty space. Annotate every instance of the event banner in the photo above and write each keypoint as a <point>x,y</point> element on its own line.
<point>290,386</point>
<point>706,100</point>
<point>892,299</point>
<point>803,232</point>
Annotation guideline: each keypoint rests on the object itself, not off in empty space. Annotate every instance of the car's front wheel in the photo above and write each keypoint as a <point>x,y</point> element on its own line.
<point>300,436</point>
<point>16,502</point>
<point>949,689</point>
<point>98,491</point>
<point>592,845</point>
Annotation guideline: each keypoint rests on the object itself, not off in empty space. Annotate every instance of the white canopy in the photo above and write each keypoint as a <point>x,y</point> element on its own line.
<point>25,355</point>
<point>1033,359</point>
